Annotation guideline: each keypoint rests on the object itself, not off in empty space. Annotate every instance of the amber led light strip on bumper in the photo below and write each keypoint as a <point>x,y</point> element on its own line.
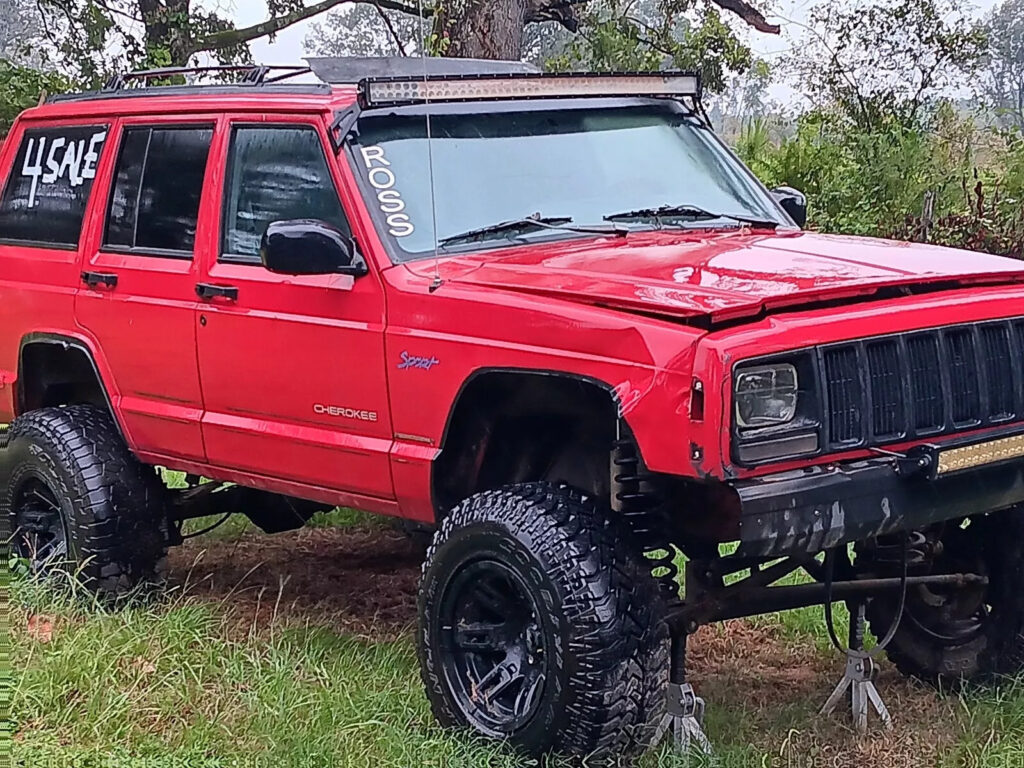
<point>970,456</point>
<point>391,91</point>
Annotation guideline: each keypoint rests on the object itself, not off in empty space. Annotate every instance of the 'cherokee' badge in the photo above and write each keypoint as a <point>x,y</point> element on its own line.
<point>344,413</point>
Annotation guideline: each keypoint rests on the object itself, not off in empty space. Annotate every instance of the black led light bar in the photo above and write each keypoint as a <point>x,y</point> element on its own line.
<point>393,91</point>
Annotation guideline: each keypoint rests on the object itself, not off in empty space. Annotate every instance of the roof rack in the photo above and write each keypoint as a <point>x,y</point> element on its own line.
<point>251,74</point>
<point>340,70</point>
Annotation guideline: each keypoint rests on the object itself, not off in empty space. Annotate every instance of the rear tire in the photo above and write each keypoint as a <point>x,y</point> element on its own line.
<point>78,501</point>
<point>534,581</point>
<point>949,637</point>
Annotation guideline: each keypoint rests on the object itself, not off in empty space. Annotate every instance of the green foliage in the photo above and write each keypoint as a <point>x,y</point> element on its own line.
<point>880,182</point>
<point>883,152</point>
<point>93,40</point>
<point>21,87</point>
<point>620,35</point>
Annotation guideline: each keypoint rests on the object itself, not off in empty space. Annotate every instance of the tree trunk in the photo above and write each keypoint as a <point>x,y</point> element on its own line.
<point>477,29</point>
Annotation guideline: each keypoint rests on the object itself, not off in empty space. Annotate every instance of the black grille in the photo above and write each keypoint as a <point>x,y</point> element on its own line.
<point>923,383</point>
<point>842,373</point>
<point>963,375</point>
<point>927,398</point>
<point>999,380</point>
<point>886,388</point>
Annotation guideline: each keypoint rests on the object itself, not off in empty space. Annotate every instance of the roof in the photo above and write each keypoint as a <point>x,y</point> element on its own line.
<point>172,100</point>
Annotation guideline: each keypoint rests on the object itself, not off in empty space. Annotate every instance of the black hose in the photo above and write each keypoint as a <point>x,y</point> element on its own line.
<point>829,564</point>
<point>216,525</point>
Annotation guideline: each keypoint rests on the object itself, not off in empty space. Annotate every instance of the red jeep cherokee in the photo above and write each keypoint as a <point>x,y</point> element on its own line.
<point>552,316</point>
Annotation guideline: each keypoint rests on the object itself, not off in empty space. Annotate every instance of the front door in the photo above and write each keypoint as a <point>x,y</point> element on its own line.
<point>292,367</point>
<point>140,270</point>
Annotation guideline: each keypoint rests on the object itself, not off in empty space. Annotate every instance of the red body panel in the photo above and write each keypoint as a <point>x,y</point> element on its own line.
<point>303,386</point>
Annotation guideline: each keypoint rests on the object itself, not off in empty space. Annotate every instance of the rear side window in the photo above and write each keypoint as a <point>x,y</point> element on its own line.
<point>275,174</point>
<point>48,188</point>
<point>154,205</point>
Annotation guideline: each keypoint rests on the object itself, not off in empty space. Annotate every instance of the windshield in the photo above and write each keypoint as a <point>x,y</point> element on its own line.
<point>581,164</point>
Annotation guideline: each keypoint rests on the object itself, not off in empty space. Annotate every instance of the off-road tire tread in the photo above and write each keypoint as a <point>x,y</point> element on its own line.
<point>612,604</point>
<point>118,525</point>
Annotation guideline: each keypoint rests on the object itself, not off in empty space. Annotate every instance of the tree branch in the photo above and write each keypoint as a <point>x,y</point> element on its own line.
<point>650,41</point>
<point>118,12</point>
<point>391,28</point>
<point>232,37</point>
<point>562,10</point>
<point>749,14</point>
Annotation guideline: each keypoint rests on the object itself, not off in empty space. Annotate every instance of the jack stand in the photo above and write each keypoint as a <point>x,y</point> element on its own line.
<point>685,716</point>
<point>859,678</point>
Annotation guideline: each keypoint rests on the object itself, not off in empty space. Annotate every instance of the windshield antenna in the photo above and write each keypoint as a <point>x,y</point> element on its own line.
<point>437,282</point>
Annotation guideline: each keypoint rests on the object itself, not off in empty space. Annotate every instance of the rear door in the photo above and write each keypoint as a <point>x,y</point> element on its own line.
<point>292,367</point>
<point>51,170</point>
<point>140,272</point>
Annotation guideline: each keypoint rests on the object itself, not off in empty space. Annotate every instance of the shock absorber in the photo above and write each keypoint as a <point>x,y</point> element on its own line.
<point>634,497</point>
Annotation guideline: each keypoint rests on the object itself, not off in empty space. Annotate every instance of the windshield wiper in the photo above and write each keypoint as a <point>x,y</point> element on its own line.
<point>694,212</point>
<point>527,223</point>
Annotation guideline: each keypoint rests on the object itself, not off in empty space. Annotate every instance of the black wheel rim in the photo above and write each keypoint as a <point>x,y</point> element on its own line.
<point>39,534</point>
<point>493,647</point>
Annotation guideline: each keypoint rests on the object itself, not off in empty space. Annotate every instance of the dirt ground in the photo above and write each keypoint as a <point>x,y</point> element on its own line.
<point>357,581</point>
<point>362,581</point>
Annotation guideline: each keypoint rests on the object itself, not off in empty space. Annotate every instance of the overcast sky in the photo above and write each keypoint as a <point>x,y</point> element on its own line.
<point>289,47</point>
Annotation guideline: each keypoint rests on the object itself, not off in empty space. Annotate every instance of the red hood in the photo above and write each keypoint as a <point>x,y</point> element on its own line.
<point>723,275</point>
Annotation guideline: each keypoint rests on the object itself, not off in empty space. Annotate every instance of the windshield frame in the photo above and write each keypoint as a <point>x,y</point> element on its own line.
<point>397,255</point>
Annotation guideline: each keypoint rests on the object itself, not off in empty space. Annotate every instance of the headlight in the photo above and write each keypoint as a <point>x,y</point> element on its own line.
<point>766,395</point>
<point>776,409</point>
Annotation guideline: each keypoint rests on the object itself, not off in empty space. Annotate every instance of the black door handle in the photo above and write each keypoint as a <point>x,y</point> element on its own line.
<point>94,279</point>
<point>210,291</point>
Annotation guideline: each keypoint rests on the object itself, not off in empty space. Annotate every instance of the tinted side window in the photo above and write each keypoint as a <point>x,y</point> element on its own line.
<point>154,205</point>
<point>48,189</point>
<point>275,174</point>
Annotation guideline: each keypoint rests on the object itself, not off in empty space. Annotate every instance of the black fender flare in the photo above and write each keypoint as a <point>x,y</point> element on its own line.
<point>67,343</point>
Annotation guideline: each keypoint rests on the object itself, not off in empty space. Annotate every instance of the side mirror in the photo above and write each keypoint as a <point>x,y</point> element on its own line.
<point>310,247</point>
<point>793,202</point>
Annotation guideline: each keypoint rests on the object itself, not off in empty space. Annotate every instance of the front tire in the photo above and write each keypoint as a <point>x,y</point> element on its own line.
<point>973,634</point>
<point>77,501</point>
<point>538,625</point>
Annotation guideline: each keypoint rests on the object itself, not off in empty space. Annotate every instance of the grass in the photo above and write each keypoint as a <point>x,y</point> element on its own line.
<point>174,690</point>
<point>275,676</point>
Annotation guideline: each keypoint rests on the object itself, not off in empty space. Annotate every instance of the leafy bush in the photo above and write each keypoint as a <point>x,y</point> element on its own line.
<point>950,183</point>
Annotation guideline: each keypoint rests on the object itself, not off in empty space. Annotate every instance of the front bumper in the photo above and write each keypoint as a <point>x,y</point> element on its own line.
<point>806,511</point>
